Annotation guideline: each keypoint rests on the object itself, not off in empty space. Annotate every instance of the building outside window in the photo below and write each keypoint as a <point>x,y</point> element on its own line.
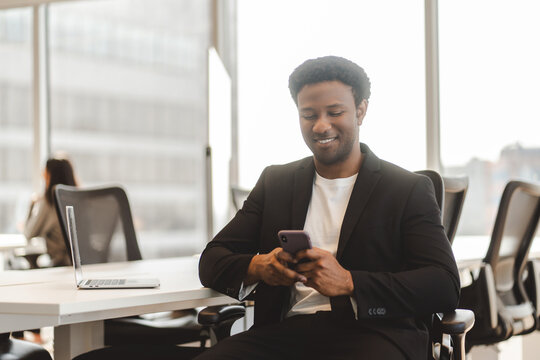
<point>15,117</point>
<point>128,82</point>
<point>490,122</point>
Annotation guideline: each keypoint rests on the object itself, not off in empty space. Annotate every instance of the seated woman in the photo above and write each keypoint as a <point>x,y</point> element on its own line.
<point>42,220</point>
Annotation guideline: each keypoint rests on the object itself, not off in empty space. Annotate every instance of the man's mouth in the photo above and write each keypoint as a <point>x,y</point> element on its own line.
<point>325,141</point>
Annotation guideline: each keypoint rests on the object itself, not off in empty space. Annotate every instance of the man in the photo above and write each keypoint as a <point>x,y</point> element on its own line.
<point>380,262</point>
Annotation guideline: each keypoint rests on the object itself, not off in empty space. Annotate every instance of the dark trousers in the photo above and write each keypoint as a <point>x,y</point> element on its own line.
<point>317,336</point>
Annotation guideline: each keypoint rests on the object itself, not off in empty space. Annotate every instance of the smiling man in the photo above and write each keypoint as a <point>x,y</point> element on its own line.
<point>380,262</point>
<point>330,120</point>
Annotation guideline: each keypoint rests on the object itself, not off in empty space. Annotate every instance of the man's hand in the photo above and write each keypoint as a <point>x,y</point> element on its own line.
<point>272,269</point>
<point>324,273</point>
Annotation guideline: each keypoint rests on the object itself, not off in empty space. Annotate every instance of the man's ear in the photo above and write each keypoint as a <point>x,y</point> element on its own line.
<point>361,111</point>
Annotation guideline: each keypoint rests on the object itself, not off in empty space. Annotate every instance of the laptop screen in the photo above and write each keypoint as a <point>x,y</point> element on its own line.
<point>73,242</point>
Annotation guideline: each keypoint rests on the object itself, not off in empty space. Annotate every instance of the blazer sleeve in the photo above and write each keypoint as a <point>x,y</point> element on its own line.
<point>428,281</point>
<point>224,262</point>
<point>36,223</point>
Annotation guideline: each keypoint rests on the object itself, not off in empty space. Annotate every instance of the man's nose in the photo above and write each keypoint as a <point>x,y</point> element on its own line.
<point>322,125</point>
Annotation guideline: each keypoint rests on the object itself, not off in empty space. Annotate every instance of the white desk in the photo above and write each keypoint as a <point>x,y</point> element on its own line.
<point>48,297</point>
<point>9,242</point>
<point>472,248</point>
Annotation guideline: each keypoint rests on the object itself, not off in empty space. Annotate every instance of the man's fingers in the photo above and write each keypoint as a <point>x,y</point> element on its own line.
<point>305,267</point>
<point>284,256</point>
<point>282,275</point>
<point>309,254</point>
<point>285,271</point>
<point>294,276</point>
<point>277,271</point>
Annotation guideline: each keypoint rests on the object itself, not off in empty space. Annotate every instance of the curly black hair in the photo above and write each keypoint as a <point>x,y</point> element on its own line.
<point>330,68</point>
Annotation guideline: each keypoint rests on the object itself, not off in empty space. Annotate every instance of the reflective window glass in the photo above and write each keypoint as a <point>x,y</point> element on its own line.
<point>489,78</point>
<point>129,106</point>
<point>15,117</point>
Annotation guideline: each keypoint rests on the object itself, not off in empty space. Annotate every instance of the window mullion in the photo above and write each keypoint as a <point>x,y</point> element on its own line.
<point>40,99</point>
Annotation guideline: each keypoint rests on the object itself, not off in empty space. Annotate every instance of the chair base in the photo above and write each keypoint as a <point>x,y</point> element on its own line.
<point>178,327</point>
<point>13,349</point>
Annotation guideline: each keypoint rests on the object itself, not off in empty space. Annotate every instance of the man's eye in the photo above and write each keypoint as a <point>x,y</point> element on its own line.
<point>309,116</point>
<point>335,114</point>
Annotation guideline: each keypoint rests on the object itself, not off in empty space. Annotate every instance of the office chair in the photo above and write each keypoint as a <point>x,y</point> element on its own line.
<point>448,331</point>
<point>103,218</point>
<point>450,195</point>
<point>455,190</point>
<point>497,294</point>
<point>238,195</point>
<point>13,349</point>
<point>438,185</point>
<point>531,282</point>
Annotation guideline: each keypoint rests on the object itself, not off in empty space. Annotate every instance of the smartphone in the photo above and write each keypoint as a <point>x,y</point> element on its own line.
<point>293,241</point>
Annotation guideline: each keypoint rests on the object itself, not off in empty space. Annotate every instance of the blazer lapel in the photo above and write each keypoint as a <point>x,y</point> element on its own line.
<point>303,187</point>
<point>367,179</point>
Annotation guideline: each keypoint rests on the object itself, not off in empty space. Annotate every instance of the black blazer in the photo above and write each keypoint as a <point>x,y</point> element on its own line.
<point>391,240</point>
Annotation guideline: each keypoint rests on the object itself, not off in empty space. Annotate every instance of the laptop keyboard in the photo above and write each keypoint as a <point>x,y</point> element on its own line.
<point>105,282</point>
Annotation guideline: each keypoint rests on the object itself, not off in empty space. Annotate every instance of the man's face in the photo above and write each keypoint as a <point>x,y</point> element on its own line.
<point>329,120</point>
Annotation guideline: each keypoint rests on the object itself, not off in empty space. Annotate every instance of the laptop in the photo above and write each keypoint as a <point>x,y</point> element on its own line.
<point>83,283</point>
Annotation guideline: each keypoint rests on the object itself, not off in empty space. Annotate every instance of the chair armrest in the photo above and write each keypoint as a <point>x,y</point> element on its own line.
<point>459,321</point>
<point>481,297</point>
<point>532,282</point>
<point>454,325</point>
<point>219,319</point>
<point>213,315</point>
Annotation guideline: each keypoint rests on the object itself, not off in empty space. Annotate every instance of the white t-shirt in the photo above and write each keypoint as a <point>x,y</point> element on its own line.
<point>327,207</point>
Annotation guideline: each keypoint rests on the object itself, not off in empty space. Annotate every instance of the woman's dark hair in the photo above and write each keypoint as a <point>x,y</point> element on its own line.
<point>331,68</point>
<point>60,172</point>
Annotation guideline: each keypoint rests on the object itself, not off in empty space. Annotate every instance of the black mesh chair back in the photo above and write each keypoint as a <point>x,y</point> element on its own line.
<point>455,190</point>
<point>239,195</point>
<point>511,239</point>
<point>513,232</point>
<point>438,185</point>
<point>103,217</point>
<point>450,194</point>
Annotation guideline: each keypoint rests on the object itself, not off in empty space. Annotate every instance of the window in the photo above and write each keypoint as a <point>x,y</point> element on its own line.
<point>386,38</point>
<point>489,77</point>
<point>129,106</point>
<point>15,117</point>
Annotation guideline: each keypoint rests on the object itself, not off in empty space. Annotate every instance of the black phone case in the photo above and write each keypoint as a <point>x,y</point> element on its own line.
<point>293,241</point>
